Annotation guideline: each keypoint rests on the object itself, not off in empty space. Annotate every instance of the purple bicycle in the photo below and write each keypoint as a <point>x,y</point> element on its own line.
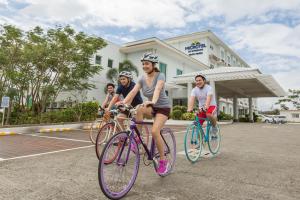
<point>117,177</point>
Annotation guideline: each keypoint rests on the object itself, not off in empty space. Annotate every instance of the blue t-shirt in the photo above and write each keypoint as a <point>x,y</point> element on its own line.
<point>125,91</point>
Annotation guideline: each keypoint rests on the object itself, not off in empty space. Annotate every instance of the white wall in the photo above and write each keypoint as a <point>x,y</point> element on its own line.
<point>289,115</point>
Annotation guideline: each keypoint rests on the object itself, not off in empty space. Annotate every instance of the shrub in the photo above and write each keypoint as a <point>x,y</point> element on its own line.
<point>188,116</point>
<point>243,119</point>
<point>224,116</point>
<point>88,111</point>
<point>183,109</point>
<point>176,114</point>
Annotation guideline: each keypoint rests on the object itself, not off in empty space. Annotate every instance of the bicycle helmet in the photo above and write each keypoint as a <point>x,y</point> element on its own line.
<point>126,74</point>
<point>149,57</point>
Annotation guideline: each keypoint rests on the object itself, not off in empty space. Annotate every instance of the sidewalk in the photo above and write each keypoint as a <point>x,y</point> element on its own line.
<point>76,126</point>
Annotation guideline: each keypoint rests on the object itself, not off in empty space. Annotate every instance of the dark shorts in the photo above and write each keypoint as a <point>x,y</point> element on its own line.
<point>164,111</point>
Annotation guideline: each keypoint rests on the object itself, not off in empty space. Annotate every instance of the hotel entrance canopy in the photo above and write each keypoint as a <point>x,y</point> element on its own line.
<point>237,81</point>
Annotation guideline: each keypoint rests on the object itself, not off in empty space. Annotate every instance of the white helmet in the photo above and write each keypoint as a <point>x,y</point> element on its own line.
<point>150,57</point>
<point>202,75</point>
<point>126,74</point>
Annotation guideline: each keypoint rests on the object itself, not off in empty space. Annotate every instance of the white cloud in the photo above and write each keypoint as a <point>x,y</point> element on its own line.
<point>3,3</point>
<point>137,14</point>
<point>274,39</point>
<point>120,13</point>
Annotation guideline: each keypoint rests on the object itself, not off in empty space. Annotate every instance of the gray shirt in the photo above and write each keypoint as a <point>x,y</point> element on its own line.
<point>163,99</point>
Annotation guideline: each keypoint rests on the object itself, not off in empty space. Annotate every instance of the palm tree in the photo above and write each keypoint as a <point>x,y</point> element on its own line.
<point>126,65</point>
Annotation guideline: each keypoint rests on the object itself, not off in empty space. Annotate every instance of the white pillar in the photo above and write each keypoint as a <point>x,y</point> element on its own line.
<point>189,90</point>
<point>235,109</point>
<point>213,86</point>
<point>170,94</point>
<point>250,109</point>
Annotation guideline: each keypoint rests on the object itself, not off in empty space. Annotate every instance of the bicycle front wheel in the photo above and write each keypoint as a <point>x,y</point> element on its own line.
<point>104,133</point>
<point>192,143</point>
<point>214,140</point>
<point>116,178</point>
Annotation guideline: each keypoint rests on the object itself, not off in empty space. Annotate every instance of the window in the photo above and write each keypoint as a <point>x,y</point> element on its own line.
<point>222,55</point>
<point>98,60</point>
<point>228,59</point>
<point>180,102</point>
<point>211,66</point>
<point>211,47</point>
<point>163,68</point>
<point>295,115</point>
<point>224,109</point>
<point>178,72</point>
<point>110,63</point>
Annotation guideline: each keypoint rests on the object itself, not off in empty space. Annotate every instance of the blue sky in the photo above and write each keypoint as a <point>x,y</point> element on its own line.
<point>265,33</point>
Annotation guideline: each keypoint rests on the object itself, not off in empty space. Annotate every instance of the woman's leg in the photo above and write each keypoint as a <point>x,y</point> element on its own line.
<point>158,124</point>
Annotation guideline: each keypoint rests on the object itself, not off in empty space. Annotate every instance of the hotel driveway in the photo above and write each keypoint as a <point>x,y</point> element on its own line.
<point>257,161</point>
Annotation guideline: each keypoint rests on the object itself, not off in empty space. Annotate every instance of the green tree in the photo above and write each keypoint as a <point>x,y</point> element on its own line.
<point>40,64</point>
<point>126,65</point>
<point>293,99</point>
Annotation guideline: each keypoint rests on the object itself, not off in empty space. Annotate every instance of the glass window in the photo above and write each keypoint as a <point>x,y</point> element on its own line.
<point>163,68</point>
<point>110,63</point>
<point>228,59</point>
<point>180,102</point>
<point>295,115</point>
<point>222,55</point>
<point>98,60</point>
<point>178,72</point>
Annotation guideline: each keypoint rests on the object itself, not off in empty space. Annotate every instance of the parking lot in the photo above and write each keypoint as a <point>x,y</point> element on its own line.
<point>257,161</point>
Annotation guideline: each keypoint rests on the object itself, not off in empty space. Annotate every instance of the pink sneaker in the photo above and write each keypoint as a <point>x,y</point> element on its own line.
<point>162,167</point>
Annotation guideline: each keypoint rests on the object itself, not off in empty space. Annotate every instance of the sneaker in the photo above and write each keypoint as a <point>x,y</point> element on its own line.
<point>163,167</point>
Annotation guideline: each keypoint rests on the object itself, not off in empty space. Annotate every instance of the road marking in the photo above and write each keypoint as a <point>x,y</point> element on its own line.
<point>58,138</point>
<point>50,152</point>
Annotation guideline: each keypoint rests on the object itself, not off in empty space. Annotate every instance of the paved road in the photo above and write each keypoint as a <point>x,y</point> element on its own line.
<point>257,161</point>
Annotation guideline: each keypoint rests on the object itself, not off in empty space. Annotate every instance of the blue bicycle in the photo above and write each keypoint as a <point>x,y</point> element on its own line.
<point>197,136</point>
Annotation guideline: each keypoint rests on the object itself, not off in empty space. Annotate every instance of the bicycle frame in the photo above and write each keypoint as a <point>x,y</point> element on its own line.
<point>133,129</point>
<point>200,127</point>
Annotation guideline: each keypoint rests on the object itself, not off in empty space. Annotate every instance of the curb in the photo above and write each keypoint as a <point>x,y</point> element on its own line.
<point>7,133</point>
<point>88,126</point>
<point>49,130</point>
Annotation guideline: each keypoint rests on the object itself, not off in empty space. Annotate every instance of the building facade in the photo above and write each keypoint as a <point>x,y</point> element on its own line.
<point>180,58</point>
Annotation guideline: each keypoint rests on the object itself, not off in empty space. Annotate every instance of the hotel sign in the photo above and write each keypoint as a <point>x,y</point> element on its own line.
<point>195,48</point>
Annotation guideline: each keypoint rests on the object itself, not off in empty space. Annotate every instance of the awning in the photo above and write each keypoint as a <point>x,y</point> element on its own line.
<point>237,81</point>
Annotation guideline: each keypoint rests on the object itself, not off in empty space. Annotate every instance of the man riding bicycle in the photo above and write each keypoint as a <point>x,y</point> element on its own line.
<point>207,103</point>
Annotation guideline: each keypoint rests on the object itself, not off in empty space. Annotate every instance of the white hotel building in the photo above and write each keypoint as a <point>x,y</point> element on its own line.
<point>235,84</point>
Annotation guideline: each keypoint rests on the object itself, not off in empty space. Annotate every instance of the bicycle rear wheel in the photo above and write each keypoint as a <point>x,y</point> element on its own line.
<point>192,143</point>
<point>214,140</point>
<point>104,133</point>
<point>117,178</point>
<point>169,150</point>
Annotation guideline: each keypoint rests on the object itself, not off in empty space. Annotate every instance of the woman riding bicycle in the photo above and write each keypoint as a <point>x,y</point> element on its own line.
<point>207,103</point>
<point>158,106</point>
